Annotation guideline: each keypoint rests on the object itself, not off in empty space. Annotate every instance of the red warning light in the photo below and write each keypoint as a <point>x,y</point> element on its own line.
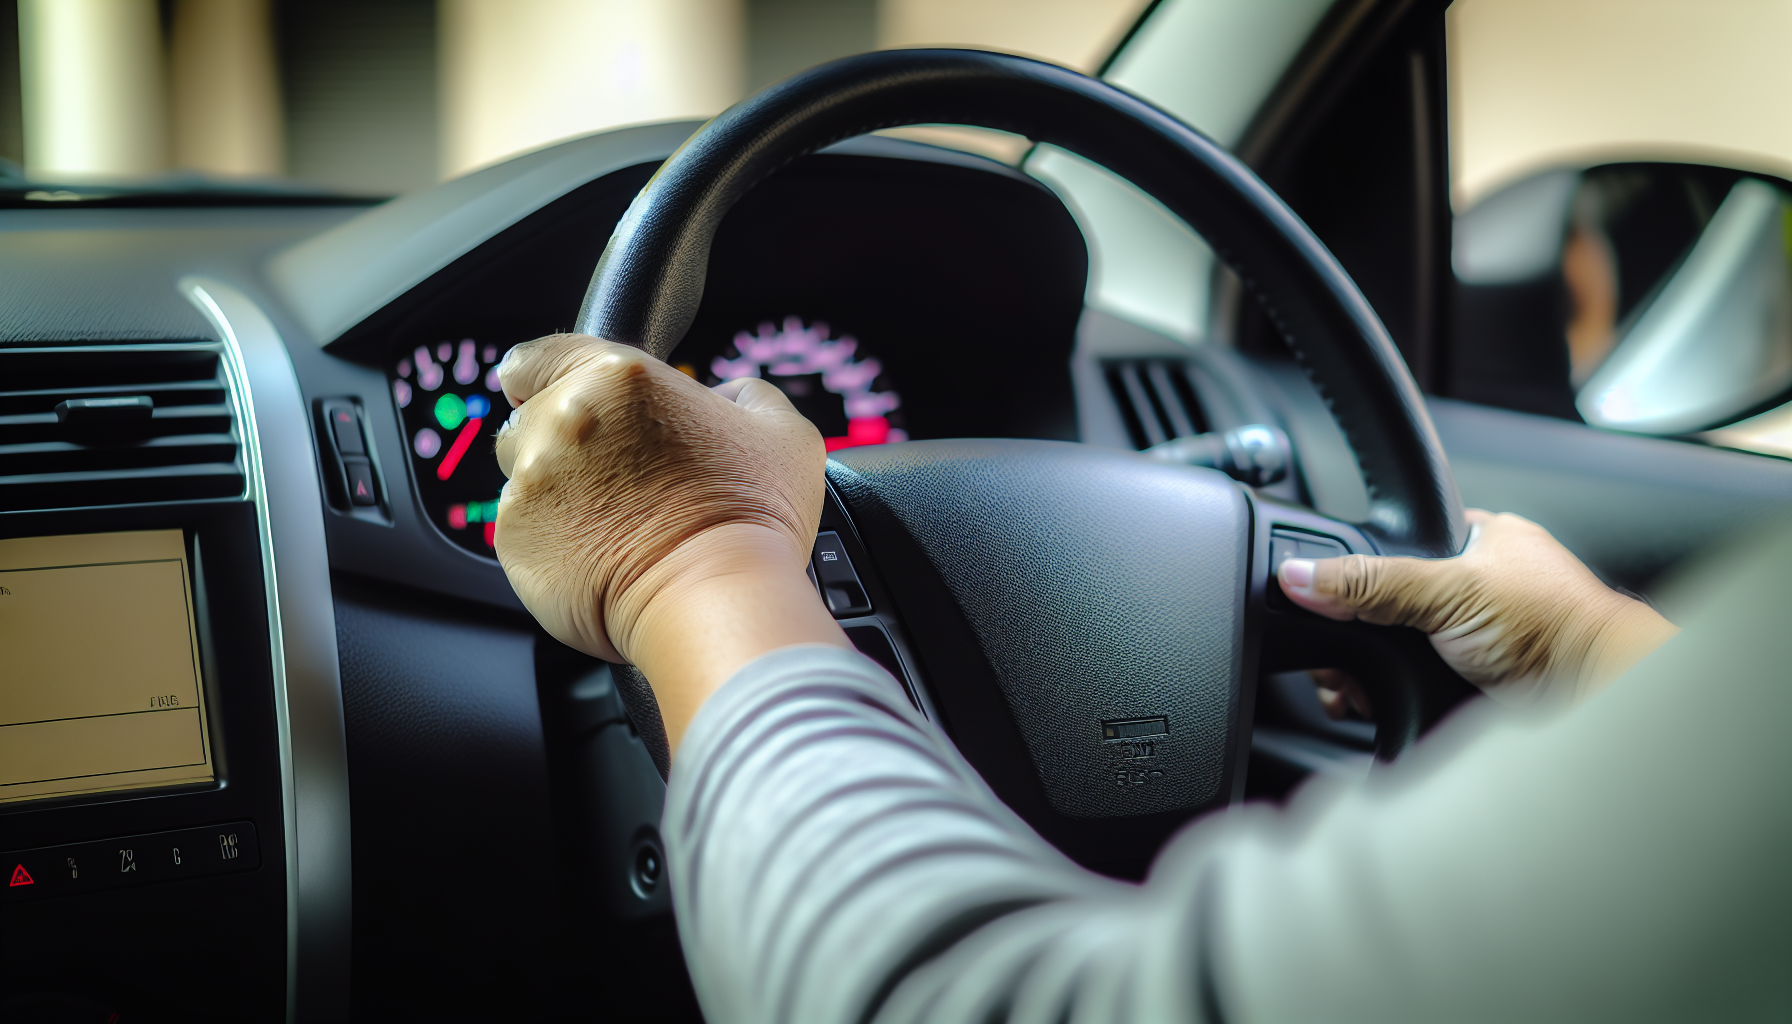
<point>21,877</point>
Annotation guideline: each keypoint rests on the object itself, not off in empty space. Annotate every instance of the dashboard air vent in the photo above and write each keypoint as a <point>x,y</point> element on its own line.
<point>116,425</point>
<point>1155,399</point>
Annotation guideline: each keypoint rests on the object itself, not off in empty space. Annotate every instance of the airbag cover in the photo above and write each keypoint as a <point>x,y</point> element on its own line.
<point>1101,587</point>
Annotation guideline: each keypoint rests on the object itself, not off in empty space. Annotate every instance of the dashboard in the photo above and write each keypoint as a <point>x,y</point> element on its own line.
<point>888,299</point>
<point>339,754</point>
<point>389,793</point>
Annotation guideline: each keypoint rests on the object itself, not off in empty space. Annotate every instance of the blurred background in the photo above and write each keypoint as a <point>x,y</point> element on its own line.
<point>381,97</point>
<point>1598,151</point>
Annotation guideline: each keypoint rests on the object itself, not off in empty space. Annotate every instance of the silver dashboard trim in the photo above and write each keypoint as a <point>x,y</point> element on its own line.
<point>283,484</point>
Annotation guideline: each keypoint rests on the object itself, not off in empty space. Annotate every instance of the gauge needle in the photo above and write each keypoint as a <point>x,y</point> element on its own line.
<point>462,442</point>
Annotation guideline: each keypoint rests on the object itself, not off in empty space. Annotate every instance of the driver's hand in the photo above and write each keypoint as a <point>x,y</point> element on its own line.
<point>629,480</point>
<point>1516,614</point>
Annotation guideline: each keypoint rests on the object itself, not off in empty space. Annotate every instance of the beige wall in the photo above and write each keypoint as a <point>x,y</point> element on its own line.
<point>1075,33</point>
<point>91,84</point>
<point>1540,82</point>
<point>106,96</point>
<point>517,74</point>
<point>225,95</point>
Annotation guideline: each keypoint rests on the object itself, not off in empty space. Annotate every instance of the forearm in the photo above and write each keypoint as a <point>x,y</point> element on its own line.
<point>826,842</point>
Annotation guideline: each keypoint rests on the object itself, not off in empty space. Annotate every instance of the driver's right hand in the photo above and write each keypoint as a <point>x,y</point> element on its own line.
<point>1516,613</point>
<point>628,478</point>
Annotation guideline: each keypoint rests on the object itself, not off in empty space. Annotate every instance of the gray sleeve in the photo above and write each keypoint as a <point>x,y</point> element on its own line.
<point>834,859</point>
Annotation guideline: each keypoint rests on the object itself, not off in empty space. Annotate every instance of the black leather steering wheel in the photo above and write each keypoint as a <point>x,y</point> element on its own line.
<point>1126,591</point>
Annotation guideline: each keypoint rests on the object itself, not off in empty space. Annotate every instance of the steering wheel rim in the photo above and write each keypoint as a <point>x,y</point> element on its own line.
<point>649,281</point>
<point>647,286</point>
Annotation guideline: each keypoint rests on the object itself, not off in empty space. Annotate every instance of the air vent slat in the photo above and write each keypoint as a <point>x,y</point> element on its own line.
<point>1159,375</point>
<point>62,456</point>
<point>1155,399</point>
<point>167,396</point>
<point>188,449</point>
<point>42,428</point>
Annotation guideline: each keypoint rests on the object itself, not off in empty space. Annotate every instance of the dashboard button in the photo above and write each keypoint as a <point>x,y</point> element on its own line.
<point>130,861</point>
<point>345,427</point>
<point>840,586</point>
<point>360,482</point>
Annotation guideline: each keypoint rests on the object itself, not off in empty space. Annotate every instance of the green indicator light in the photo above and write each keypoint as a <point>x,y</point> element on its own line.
<point>450,411</point>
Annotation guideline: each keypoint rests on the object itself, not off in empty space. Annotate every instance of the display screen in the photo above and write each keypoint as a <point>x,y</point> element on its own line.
<point>451,404</point>
<point>99,686</point>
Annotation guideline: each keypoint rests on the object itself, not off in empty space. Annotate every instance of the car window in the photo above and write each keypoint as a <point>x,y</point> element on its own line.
<point>1211,63</point>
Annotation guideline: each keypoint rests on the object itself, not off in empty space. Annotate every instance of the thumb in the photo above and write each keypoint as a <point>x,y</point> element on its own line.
<point>1382,590</point>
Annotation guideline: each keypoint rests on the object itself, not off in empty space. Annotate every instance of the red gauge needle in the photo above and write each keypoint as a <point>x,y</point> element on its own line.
<point>462,441</point>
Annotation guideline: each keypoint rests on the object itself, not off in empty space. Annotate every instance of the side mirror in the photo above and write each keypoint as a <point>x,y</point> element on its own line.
<point>1646,297</point>
<point>1714,342</point>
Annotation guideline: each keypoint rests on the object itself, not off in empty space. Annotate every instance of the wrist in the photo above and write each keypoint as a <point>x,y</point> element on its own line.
<point>1630,633</point>
<point>713,605</point>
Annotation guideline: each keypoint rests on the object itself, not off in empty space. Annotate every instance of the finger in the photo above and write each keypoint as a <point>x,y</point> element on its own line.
<point>755,395</point>
<point>1385,591</point>
<point>566,372</point>
<point>1296,576</point>
<point>1334,704</point>
<point>509,437</point>
<point>730,389</point>
<point>1340,693</point>
<point>531,367</point>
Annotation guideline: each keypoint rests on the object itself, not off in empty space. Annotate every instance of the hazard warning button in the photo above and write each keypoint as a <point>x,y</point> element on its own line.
<point>360,482</point>
<point>20,876</point>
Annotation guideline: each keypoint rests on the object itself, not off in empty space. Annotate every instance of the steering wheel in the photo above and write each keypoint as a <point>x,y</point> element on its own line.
<point>1077,608</point>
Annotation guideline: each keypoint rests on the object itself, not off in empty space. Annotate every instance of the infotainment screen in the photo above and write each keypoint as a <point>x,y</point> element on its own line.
<point>99,666</point>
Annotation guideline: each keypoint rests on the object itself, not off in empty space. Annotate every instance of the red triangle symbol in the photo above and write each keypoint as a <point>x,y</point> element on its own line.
<point>360,487</point>
<point>21,877</point>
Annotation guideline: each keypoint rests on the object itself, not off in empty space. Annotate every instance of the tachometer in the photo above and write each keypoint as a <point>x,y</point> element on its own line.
<point>839,389</point>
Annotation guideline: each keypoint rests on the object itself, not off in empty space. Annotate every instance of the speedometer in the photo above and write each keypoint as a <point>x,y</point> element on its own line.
<point>451,405</point>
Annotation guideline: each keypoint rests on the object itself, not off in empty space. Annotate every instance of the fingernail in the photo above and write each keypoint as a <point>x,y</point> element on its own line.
<point>1297,573</point>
